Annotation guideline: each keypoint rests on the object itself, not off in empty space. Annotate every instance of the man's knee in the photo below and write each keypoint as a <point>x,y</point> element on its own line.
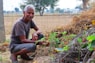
<point>32,47</point>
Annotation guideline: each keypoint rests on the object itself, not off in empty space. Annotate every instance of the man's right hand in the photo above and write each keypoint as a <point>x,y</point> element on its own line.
<point>34,36</point>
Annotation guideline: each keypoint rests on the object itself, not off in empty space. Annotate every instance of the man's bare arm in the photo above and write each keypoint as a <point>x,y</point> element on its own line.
<point>24,40</point>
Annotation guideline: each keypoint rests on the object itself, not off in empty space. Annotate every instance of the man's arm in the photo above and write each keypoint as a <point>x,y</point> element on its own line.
<point>33,25</point>
<point>36,28</point>
<point>24,40</point>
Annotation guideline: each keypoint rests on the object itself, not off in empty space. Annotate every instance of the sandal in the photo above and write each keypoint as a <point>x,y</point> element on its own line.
<point>13,59</point>
<point>28,56</point>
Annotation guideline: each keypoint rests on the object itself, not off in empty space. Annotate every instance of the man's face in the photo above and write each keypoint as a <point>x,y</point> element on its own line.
<point>29,14</point>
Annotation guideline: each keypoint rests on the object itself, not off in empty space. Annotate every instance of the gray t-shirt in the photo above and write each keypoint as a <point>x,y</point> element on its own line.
<point>21,28</point>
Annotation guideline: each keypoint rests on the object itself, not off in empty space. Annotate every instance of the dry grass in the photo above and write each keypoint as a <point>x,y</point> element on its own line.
<point>45,23</point>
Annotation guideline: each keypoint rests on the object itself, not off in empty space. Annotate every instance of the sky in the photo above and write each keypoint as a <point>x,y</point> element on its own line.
<point>11,4</point>
<point>68,3</point>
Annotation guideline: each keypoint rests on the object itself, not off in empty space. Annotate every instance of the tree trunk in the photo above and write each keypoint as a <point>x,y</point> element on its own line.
<point>85,2</point>
<point>2,29</point>
<point>41,11</point>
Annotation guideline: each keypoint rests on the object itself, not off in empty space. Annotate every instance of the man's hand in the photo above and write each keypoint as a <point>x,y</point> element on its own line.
<point>34,36</point>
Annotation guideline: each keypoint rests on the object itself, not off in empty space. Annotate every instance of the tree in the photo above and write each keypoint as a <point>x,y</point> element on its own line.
<point>57,10</point>
<point>85,3</point>
<point>16,9</point>
<point>40,5</point>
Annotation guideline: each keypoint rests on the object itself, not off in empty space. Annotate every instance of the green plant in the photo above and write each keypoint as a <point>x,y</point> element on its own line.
<point>64,33</point>
<point>79,40</point>
<point>41,40</point>
<point>91,42</point>
<point>66,48</point>
<point>53,39</point>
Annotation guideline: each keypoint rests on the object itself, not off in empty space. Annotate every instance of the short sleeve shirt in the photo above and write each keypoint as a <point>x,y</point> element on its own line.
<point>21,28</point>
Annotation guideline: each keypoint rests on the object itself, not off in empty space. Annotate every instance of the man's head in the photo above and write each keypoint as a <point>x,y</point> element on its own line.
<point>28,12</point>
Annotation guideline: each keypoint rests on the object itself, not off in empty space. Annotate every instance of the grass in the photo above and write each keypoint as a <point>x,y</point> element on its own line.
<point>45,23</point>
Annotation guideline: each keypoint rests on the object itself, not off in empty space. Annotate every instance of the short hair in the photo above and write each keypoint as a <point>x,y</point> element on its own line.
<point>29,6</point>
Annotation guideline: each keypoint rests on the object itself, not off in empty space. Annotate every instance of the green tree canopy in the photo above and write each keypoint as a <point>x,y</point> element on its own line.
<point>40,5</point>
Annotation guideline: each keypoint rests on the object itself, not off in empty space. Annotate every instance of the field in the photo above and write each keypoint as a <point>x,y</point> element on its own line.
<point>46,23</point>
<point>78,48</point>
<point>59,40</point>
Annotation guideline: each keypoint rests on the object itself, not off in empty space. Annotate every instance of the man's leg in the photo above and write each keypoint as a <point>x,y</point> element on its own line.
<point>22,49</point>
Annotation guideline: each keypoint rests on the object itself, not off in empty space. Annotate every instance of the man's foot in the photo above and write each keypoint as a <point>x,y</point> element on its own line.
<point>13,58</point>
<point>15,62</point>
<point>32,54</point>
<point>28,56</point>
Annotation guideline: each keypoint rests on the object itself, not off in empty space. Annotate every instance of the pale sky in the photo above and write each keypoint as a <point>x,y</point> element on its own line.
<point>68,3</point>
<point>11,4</point>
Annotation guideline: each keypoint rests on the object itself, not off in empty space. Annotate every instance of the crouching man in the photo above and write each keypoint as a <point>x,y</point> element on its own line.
<point>20,44</point>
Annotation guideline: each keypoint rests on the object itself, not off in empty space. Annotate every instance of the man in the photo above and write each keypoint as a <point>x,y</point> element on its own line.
<point>20,44</point>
